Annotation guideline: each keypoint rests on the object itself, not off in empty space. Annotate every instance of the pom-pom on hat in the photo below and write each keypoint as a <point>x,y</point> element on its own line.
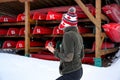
<point>69,19</point>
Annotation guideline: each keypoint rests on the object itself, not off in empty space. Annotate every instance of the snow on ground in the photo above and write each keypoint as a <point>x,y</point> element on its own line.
<point>15,67</point>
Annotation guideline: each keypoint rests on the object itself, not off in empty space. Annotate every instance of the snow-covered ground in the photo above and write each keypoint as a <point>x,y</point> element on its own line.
<point>15,67</point>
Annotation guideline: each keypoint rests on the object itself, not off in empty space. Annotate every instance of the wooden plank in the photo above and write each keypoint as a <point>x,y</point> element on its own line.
<point>86,11</point>
<point>12,24</point>
<point>108,51</point>
<point>11,36</point>
<point>2,1</point>
<point>16,23</point>
<point>93,35</point>
<point>26,0</point>
<point>40,35</point>
<point>103,17</point>
<point>98,29</point>
<point>83,35</point>
<point>88,35</point>
<point>37,49</point>
<point>27,28</point>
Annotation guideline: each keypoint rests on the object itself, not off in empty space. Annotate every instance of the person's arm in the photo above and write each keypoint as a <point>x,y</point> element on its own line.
<point>68,53</point>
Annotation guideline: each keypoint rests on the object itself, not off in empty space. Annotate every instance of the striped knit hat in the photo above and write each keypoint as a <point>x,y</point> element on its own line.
<point>69,19</point>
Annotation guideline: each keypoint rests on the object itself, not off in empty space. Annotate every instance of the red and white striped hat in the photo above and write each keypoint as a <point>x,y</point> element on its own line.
<point>69,19</point>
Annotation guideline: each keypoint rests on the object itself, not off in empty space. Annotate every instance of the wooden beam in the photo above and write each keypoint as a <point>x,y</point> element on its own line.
<point>98,39</point>
<point>96,21</point>
<point>26,0</point>
<point>27,27</point>
<point>103,35</point>
<point>2,1</point>
<point>101,41</point>
<point>108,51</point>
<point>37,49</point>
<point>86,11</point>
<point>103,17</point>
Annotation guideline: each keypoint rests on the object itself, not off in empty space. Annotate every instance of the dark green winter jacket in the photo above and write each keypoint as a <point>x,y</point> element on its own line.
<point>71,51</point>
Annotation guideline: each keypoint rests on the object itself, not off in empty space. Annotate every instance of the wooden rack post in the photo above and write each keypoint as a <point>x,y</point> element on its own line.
<point>27,28</point>
<point>98,29</point>
<point>96,21</point>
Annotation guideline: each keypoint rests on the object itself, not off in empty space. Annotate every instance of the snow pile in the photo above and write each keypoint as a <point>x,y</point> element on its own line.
<point>15,67</point>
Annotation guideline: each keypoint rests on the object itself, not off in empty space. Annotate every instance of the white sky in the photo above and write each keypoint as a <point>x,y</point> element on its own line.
<point>15,67</point>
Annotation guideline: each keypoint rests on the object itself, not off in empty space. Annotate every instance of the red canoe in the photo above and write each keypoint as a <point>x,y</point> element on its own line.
<point>112,11</point>
<point>64,9</point>
<point>49,56</point>
<point>42,30</point>
<point>7,19</point>
<point>9,44</point>
<point>13,31</point>
<point>3,32</point>
<point>112,30</point>
<point>21,44</point>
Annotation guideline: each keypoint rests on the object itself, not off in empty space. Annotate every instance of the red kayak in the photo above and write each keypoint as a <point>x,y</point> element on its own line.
<point>42,30</point>
<point>3,32</point>
<point>112,11</point>
<point>61,9</point>
<point>44,55</point>
<point>9,44</point>
<point>13,32</point>
<point>112,30</point>
<point>49,56</point>
<point>7,19</point>
<point>21,44</point>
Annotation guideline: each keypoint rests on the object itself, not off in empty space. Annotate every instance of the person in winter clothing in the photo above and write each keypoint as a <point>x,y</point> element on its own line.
<point>71,50</point>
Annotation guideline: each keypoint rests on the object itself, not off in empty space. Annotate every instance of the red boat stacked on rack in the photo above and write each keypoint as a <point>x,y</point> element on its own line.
<point>22,31</point>
<point>49,56</point>
<point>21,44</point>
<point>39,16</point>
<point>112,11</point>
<point>21,17</point>
<point>44,55</point>
<point>42,30</point>
<point>7,19</point>
<point>64,9</point>
<point>88,59</point>
<point>13,32</point>
<point>9,44</point>
<point>112,30</point>
<point>3,32</point>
